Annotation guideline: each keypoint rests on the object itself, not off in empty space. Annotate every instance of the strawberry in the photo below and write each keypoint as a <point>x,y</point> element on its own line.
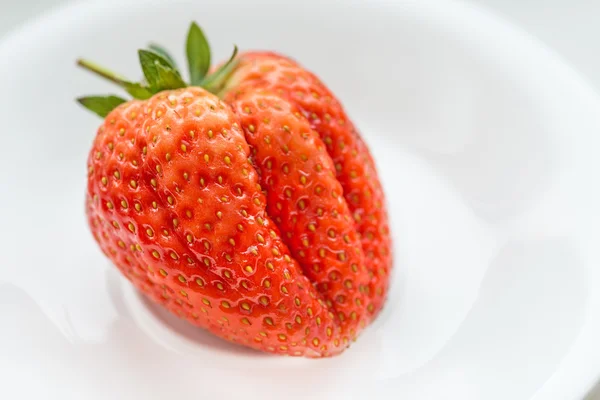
<point>239,214</point>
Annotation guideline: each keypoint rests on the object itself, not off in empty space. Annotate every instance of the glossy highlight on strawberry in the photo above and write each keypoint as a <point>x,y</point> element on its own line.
<point>246,204</point>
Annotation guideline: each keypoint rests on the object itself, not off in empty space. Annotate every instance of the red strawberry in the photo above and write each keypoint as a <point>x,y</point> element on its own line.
<point>175,201</point>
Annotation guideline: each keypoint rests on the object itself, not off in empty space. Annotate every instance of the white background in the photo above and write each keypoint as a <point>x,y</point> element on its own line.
<point>568,27</point>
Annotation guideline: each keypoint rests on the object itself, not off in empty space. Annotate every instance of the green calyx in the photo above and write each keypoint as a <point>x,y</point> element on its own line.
<point>161,73</point>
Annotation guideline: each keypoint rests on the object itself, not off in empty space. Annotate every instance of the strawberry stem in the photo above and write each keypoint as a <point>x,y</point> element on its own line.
<point>161,73</point>
<point>103,72</point>
<point>137,90</point>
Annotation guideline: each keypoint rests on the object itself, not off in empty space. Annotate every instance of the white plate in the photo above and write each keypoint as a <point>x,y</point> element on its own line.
<point>488,148</point>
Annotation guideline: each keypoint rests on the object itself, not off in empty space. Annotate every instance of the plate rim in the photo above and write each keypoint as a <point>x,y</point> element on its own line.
<point>449,11</point>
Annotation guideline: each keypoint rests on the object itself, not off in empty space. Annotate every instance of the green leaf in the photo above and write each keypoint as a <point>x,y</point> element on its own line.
<point>198,54</point>
<point>158,73</point>
<point>137,90</point>
<point>163,53</point>
<point>216,81</point>
<point>101,105</point>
